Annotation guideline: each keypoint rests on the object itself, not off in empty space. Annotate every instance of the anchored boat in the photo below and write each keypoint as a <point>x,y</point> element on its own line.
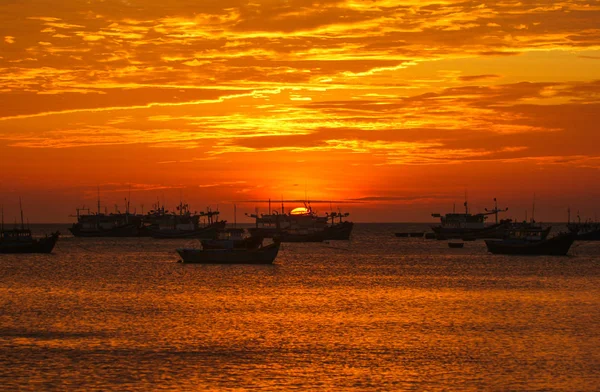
<point>531,240</point>
<point>20,240</point>
<point>467,225</point>
<point>231,255</point>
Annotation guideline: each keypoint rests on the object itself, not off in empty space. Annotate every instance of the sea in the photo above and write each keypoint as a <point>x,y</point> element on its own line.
<point>374,313</point>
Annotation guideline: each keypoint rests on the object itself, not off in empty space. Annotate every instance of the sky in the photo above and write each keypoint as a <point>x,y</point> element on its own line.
<point>389,110</point>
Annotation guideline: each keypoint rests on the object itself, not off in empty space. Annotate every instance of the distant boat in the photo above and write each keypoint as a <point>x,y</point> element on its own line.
<point>105,224</point>
<point>588,231</point>
<point>286,225</point>
<point>231,255</point>
<point>185,224</point>
<point>526,241</point>
<point>20,240</point>
<point>466,225</point>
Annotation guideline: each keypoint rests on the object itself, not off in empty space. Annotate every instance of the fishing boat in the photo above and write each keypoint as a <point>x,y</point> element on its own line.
<point>587,231</point>
<point>20,240</point>
<point>302,224</point>
<point>263,254</point>
<point>104,224</point>
<point>185,224</point>
<point>466,225</point>
<point>531,241</point>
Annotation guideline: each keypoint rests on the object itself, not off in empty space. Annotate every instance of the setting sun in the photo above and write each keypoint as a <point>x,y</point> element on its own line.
<point>392,108</point>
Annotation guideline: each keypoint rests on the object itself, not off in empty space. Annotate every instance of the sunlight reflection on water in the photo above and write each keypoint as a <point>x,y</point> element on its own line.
<point>377,313</point>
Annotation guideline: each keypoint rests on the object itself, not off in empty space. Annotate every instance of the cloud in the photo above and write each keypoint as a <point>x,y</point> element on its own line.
<point>471,78</point>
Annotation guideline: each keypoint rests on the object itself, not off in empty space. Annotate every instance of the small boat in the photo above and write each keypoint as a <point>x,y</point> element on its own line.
<point>558,245</point>
<point>230,255</point>
<point>20,240</point>
<point>456,244</point>
<point>588,231</point>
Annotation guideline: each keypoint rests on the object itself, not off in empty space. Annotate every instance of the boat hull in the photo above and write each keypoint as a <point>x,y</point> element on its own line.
<point>38,245</point>
<point>340,231</point>
<point>264,255</point>
<point>293,237</point>
<point>589,236</point>
<point>208,232</point>
<point>253,242</point>
<point>556,246</point>
<point>122,231</point>
<point>494,231</point>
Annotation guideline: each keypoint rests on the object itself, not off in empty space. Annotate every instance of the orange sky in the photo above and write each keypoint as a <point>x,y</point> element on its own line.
<point>390,108</point>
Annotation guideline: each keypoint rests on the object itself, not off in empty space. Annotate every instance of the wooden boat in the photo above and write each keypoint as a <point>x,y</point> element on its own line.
<point>287,225</point>
<point>466,225</point>
<point>338,231</point>
<point>556,246</point>
<point>230,255</point>
<point>21,241</point>
<point>456,244</point>
<point>588,231</point>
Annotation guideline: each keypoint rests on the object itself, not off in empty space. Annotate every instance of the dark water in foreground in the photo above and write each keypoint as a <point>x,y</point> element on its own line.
<point>379,313</point>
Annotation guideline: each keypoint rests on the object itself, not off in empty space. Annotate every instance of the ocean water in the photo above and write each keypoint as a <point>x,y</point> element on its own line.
<point>374,313</point>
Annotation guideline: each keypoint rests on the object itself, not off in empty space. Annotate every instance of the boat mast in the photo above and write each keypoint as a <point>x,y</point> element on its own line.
<point>2,229</point>
<point>234,216</point>
<point>21,207</point>
<point>533,210</point>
